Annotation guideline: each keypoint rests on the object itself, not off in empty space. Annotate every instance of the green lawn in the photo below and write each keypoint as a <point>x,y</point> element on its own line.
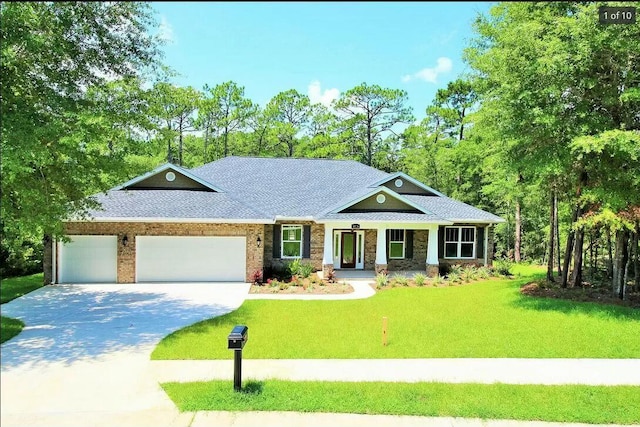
<point>570,403</point>
<point>12,288</point>
<point>483,319</point>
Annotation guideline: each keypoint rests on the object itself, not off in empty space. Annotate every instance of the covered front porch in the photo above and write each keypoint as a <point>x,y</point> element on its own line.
<point>367,248</point>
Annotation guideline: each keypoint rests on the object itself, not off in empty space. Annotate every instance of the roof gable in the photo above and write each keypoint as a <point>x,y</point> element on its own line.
<point>381,199</point>
<point>169,177</point>
<point>402,183</point>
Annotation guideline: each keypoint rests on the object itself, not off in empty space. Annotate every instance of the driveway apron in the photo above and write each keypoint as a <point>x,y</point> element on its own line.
<point>84,352</point>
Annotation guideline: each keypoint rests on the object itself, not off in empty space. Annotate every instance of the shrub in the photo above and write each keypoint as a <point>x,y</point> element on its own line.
<point>283,286</point>
<point>300,268</point>
<point>453,277</point>
<point>382,280</point>
<point>469,273</point>
<point>484,273</point>
<point>438,280</point>
<point>256,277</point>
<point>456,269</point>
<point>419,279</point>
<point>502,267</point>
<point>401,280</point>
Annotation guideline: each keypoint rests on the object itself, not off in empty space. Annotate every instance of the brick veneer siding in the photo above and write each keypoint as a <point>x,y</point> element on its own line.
<point>316,248</point>
<point>127,254</point>
<point>419,260</point>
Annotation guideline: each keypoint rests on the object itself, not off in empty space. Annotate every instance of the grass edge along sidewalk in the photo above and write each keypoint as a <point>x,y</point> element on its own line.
<point>10,289</point>
<point>565,403</point>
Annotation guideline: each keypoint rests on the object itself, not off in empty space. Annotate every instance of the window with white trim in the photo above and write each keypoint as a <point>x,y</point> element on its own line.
<point>291,246</point>
<point>396,244</point>
<point>460,242</point>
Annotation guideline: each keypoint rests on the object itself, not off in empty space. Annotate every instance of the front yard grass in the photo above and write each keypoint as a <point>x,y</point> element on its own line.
<point>483,319</point>
<point>12,288</point>
<point>566,403</point>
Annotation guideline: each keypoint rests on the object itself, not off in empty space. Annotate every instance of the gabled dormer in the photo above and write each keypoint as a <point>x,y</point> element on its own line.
<point>169,177</point>
<point>402,183</point>
<point>381,199</point>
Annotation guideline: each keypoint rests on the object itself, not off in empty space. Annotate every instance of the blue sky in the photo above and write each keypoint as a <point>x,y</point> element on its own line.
<point>320,49</point>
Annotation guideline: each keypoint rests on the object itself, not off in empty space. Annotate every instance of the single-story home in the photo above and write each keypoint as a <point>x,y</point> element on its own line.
<point>230,219</point>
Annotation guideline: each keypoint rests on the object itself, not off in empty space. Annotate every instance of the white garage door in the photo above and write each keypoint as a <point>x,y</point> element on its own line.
<point>89,259</point>
<point>190,259</point>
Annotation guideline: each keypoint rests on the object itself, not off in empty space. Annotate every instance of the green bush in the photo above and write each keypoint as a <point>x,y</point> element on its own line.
<point>299,268</point>
<point>469,273</point>
<point>453,277</point>
<point>401,280</point>
<point>503,267</point>
<point>456,269</point>
<point>419,279</point>
<point>484,273</point>
<point>438,280</point>
<point>382,280</point>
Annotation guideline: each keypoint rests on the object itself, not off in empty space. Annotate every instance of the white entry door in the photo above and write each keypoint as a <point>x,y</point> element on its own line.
<point>190,259</point>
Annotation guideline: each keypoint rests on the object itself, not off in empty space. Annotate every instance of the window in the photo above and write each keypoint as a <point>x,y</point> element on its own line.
<point>396,244</point>
<point>459,242</point>
<point>291,241</point>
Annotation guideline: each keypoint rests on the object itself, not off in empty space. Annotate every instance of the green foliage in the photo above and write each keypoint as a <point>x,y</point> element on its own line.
<point>9,328</point>
<point>439,280</point>
<point>469,273</point>
<point>558,403</point>
<point>300,268</point>
<point>503,267</point>
<point>400,280</point>
<point>484,272</point>
<point>382,280</point>
<point>419,279</point>
<point>60,142</point>
<point>453,277</point>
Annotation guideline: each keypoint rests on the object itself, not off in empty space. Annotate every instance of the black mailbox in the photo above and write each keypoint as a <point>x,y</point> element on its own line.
<point>238,337</point>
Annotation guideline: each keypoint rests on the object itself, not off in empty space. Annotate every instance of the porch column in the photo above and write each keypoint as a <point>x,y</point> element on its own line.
<point>432,252</point>
<point>381,250</point>
<point>327,257</point>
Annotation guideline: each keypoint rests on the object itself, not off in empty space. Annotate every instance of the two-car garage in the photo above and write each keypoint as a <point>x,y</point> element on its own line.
<point>94,259</point>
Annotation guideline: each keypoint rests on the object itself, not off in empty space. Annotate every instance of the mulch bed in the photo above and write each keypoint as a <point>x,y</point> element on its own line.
<point>586,293</point>
<point>302,286</point>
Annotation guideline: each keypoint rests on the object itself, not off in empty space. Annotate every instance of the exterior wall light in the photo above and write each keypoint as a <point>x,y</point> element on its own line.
<point>258,241</point>
<point>125,240</point>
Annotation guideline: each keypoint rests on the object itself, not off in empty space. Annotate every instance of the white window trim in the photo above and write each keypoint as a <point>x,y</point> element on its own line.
<point>282,241</point>
<point>403,241</point>
<point>459,242</point>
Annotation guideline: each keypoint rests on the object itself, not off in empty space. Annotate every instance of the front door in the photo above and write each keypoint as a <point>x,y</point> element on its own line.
<point>348,246</point>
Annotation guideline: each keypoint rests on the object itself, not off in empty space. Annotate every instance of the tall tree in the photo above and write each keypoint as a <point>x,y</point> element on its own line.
<point>370,113</point>
<point>289,114</point>
<point>173,108</point>
<point>52,53</point>
<point>224,110</point>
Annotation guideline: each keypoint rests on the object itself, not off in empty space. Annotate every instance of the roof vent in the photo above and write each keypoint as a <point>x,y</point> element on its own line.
<point>380,198</point>
<point>398,183</point>
<point>170,176</point>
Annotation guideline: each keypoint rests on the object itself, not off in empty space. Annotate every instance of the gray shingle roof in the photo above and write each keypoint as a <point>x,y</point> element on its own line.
<point>289,187</point>
<point>168,204</point>
<point>453,210</point>
<point>265,189</point>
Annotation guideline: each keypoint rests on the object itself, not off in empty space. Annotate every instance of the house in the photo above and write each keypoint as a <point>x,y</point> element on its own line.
<point>231,218</point>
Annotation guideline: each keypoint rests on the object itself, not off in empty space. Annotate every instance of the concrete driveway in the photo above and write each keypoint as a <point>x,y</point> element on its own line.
<point>83,358</point>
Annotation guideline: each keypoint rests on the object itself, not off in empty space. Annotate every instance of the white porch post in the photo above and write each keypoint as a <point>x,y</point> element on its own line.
<point>381,249</point>
<point>327,257</point>
<point>432,252</point>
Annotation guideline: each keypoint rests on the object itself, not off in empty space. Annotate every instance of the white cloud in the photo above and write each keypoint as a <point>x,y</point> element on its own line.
<point>316,95</point>
<point>430,75</point>
<point>165,31</point>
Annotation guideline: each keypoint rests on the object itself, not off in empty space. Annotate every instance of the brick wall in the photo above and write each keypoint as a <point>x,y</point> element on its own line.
<point>127,254</point>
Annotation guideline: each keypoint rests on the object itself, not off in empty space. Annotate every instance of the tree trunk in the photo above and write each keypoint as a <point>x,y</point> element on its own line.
<point>556,226</point>
<point>552,218</point>
<point>636,257</point>
<point>47,259</point>
<point>180,149</point>
<point>576,275</point>
<point>610,254</point>
<point>569,247</point>
<point>518,237</point>
<point>619,264</point>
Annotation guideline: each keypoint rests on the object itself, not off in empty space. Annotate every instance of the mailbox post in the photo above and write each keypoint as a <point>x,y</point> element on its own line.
<point>236,342</point>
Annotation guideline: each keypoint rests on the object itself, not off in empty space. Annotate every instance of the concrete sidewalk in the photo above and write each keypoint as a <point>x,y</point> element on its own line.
<point>485,371</point>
